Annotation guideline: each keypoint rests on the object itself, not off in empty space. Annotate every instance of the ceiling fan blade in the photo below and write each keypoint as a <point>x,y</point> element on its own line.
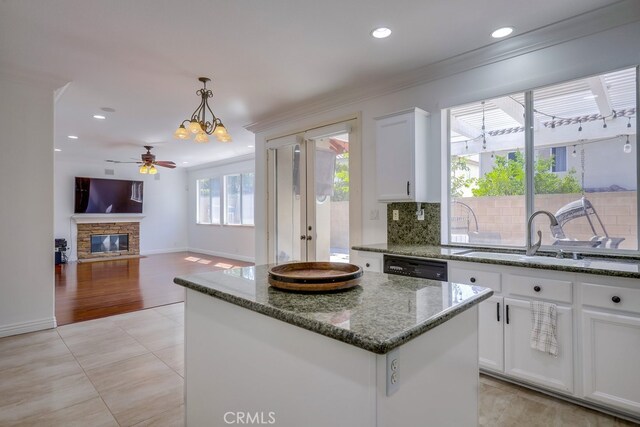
<point>165,164</point>
<point>118,161</point>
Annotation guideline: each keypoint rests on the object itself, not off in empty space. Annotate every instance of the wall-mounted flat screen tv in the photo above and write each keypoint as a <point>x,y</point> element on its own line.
<point>97,195</point>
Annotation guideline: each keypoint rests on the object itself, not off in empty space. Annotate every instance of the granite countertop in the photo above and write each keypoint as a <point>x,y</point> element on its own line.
<point>608,266</point>
<point>382,313</point>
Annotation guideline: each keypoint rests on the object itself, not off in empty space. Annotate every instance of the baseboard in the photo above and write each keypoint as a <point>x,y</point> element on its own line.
<point>24,327</point>
<point>222,254</point>
<point>163,251</point>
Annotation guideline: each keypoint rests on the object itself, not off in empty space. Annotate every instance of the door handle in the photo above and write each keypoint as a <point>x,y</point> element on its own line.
<point>498,312</point>
<point>309,237</point>
<point>303,237</point>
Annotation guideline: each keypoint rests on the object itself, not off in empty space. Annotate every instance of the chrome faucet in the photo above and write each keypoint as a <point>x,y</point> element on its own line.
<point>532,249</point>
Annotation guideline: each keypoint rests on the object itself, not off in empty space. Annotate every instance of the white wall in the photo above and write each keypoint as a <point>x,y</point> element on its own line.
<point>230,241</point>
<point>604,51</point>
<point>164,226</point>
<point>26,210</point>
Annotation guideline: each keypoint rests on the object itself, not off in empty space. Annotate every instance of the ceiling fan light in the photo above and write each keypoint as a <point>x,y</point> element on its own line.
<point>143,169</point>
<point>152,170</point>
<point>181,133</point>
<point>202,137</point>
<point>194,126</point>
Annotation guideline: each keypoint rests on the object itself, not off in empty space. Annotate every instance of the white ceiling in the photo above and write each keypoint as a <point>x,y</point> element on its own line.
<point>143,57</point>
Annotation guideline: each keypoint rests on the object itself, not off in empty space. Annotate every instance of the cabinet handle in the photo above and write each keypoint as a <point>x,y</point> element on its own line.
<point>498,312</point>
<point>472,280</point>
<point>616,299</point>
<point>368,265</point>
<point>537,288</point>
<point>408,186</point>
<point>507,313</point>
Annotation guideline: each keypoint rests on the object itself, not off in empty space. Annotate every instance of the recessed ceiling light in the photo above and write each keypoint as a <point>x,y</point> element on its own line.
<point>72,137</point>
<point>250,146</point>
<point>381,33</point>
<point>184,163</point>
<point>502,32</point>
<point>99,117</point>
<point>57,150</point>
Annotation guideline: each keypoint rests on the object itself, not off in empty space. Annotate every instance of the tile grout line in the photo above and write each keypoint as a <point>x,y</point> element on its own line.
<point>89,379</point>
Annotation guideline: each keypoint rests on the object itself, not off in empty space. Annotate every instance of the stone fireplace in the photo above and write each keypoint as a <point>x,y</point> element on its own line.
<point>107,239</point>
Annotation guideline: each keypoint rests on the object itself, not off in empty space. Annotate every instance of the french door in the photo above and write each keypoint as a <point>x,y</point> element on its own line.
<point>309,195</point>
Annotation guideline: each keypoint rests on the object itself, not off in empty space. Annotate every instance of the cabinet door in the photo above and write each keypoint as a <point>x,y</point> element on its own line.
<point>521,361</point>
<point>491,334</point>
<point>369,261</point>
<point>611,357</point>
<point>395,157</point>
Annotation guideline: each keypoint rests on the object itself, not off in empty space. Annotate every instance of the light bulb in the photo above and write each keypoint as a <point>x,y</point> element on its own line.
<point>143,169</point>
<point>225,138</point>
<point>220,130</point>
<point>194,126</point>
<point>181,133</point>
<point>627,147</point>
<point>152,170</point>
<point>202,137</point>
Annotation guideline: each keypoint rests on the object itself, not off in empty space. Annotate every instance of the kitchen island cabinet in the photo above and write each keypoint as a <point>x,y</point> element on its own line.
<point>394,351</point>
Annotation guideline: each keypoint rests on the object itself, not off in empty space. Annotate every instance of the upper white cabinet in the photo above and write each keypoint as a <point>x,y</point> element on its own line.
<point>401,152</point>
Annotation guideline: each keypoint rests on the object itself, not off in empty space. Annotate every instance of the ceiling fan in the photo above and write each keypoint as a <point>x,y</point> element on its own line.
<point>149,162</point>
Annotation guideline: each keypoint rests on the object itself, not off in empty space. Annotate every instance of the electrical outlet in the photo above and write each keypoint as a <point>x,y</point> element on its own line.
<point>393,371</point>
<point>420,215</point>
<point>396,215</point>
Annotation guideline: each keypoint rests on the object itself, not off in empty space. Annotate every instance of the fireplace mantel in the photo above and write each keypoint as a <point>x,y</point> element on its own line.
<point>102,218</point>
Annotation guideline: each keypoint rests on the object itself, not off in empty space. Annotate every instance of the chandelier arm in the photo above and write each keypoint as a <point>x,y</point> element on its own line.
<point>196,114</point>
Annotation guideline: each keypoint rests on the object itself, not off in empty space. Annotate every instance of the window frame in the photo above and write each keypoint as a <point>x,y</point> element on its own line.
<point>529,151</point>
<point>222,221</point>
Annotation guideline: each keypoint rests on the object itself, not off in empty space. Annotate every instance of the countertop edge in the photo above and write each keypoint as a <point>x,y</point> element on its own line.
<point>340,334</point>
<point>510,263</point>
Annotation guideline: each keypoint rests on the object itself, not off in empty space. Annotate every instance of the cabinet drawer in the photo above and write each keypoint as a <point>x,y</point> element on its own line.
<point>605,297</point>
<point>487,279</point>
<point>539,288</point>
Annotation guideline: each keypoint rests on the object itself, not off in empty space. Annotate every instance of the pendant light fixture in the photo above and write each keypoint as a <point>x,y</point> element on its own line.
<point>198,124</point>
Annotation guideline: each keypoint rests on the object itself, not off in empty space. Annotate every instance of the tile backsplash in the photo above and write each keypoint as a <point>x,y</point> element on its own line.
<point>408,230</point>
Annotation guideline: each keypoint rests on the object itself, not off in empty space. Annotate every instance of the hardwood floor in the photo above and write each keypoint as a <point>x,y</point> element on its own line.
<point>92,290</point>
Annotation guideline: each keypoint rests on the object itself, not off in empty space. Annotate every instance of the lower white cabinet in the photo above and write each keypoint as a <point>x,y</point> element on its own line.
<point>611,359</point>
<point>522,361</point>
<point>369,261</point>
<point>491,334</point>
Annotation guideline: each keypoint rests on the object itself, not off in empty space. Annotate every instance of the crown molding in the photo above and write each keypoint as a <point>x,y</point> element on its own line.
<point>618,14</point>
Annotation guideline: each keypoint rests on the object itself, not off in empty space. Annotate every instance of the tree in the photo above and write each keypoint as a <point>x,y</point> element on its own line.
<point>508,178</point>
<point>460,176</point>
<point>341,179</point>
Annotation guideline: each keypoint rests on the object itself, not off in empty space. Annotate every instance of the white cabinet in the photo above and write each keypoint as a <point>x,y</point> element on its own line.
<point>401,153</point>
<point>369,261</point>
<point>521,361</point>
<point>611,342</point>
<point>491,334</point>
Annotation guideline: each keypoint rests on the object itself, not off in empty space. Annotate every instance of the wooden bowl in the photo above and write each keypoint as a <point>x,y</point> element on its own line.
<point>315,276</point>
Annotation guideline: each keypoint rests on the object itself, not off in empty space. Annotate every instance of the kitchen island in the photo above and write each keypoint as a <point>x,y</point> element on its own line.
<point>393,351</point>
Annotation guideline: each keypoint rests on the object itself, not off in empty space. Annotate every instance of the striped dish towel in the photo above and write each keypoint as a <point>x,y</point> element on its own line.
<point>544,336</point>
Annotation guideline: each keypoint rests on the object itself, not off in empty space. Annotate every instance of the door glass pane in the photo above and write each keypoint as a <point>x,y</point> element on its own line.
<point>288,205</point>
<point>585,172</point>
<point>332,198</point>
<point>232,206</point>
<point>487,184</point>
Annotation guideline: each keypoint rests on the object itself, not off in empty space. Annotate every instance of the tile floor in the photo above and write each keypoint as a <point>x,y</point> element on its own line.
<point>127,370</point>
